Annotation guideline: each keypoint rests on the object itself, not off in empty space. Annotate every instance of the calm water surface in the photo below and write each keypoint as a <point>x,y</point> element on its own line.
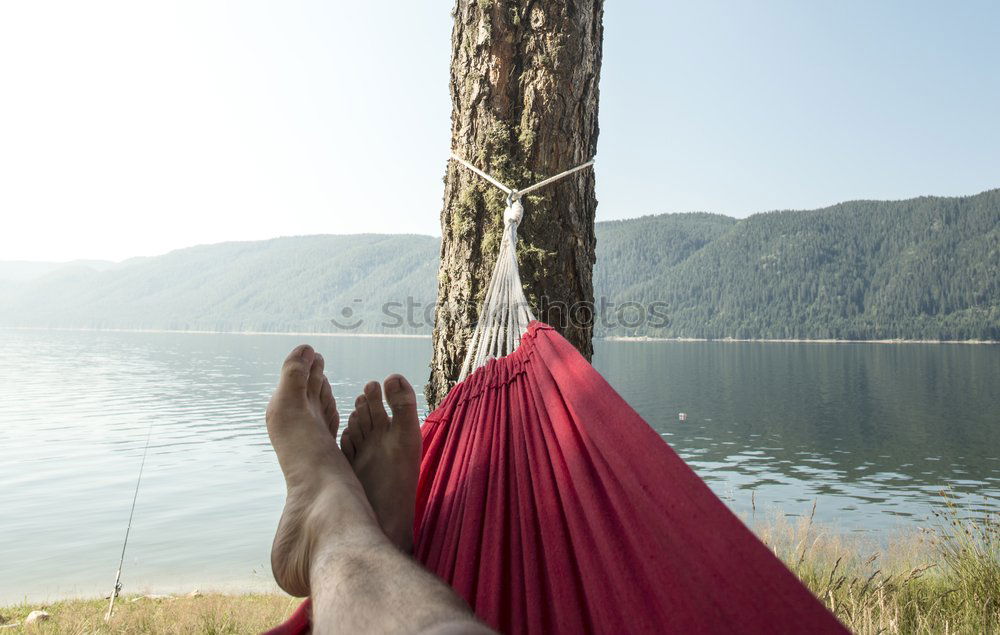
<point>871,433</point>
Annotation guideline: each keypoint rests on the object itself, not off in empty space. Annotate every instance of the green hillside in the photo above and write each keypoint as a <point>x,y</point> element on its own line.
<point>926,268</point>
<point>284,284</point>
<point>632,251</point>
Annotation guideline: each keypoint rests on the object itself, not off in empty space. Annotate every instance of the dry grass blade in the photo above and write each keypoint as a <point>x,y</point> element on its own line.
<point>940,579</point>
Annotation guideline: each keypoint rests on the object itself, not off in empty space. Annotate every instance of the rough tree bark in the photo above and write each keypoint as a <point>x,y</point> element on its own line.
<point>524,90</point>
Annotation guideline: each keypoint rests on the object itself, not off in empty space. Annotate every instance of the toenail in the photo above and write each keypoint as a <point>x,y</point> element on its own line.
<point>393,385</point>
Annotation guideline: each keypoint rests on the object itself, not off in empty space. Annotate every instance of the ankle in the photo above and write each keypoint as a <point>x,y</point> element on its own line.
<point>336,557</point>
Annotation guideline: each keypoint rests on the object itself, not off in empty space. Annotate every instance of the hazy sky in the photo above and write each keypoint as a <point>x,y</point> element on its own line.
<point>133,128</point>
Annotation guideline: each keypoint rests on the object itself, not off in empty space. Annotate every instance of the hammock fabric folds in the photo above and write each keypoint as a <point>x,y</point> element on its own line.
<point>552,507</point>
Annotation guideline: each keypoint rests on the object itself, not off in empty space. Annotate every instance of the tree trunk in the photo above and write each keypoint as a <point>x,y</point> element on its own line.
<point>524,91</point>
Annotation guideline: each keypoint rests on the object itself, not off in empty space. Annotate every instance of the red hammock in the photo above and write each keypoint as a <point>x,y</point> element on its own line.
<point>552,507</point>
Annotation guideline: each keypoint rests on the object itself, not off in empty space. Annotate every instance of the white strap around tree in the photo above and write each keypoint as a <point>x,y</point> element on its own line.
<point>505,314</point>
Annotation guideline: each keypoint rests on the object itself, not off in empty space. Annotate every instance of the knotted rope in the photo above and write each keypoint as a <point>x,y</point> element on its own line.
<point>505,313</point>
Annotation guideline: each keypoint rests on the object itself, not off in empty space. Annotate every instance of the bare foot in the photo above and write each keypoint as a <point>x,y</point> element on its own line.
<point>385,454</point>
<point>325,505</point>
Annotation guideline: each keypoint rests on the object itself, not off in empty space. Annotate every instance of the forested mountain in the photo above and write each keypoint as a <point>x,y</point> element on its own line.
<point>633,251</point>
<point>284,284</point>
<point>926,268</point>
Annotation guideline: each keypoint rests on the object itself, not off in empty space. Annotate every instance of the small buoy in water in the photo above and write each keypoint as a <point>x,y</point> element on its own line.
<point>682,416</point>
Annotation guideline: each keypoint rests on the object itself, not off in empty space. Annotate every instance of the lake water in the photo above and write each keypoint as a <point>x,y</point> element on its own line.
<point>872,433</point>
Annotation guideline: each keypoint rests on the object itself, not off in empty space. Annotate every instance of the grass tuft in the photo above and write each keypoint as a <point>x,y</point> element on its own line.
<point>942,579</point>
<point>210,614</point>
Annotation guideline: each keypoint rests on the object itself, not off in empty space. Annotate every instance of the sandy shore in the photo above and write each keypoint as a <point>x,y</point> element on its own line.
<point>609,338</point>
<point>645,338</point>
<point>198,332</point>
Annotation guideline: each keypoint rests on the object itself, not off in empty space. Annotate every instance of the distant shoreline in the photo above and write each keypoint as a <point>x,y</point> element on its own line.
<point>645,338</point>
<point>609,338</point>
<point>202,332</point>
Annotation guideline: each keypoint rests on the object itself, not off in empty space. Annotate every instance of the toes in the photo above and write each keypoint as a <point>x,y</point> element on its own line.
<point>316,376</point>
<point>330,414</point>
<point>379,417</point>
<point>347,445</point>
<point>369,416</point>
<point>295,370</point>
<point>326,393</point>
<point>354,427</point>
<point>361,418</point>
<point>332,418</point>
<point>402,399</point>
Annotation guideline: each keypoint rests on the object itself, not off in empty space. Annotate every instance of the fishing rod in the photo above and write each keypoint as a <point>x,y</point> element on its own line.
<point>128,528</point>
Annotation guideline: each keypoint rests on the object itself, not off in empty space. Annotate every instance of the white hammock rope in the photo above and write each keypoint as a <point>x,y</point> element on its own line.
<point>505,314</point>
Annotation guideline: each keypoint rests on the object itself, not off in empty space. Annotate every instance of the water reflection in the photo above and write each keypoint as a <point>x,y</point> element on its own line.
<point>875,432</point>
